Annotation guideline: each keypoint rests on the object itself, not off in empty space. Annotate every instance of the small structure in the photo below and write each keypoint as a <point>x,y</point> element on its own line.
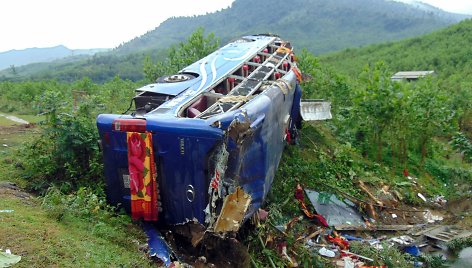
<point>411,75</point>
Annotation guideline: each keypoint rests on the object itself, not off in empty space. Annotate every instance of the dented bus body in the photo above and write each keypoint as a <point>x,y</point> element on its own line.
<point>218,130</point>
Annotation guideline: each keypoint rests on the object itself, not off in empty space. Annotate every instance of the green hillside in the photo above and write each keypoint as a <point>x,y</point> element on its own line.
<point>317,25</point>
<point>448,52</point>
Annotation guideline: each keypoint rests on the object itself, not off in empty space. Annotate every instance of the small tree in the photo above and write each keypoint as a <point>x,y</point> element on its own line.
<point>432,113</point>
<point>196,47</point>
<point>375,103</point>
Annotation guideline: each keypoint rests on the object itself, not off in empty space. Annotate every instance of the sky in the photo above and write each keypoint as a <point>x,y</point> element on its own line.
<point>108,23</point>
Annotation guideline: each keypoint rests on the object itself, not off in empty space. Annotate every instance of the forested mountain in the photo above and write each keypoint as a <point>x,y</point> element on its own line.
<point>317,25</point>
<point>16,58</point>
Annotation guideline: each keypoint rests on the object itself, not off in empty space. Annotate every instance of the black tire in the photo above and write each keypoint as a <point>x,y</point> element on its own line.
<point>172,79</point>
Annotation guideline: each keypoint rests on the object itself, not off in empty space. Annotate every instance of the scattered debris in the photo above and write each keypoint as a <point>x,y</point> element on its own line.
<point>413,250</point>
<point>422,197</point>
<point>356,255</point>
<point>283,252</point>
<point>364,188</point>
<point>326,252</point>
<point>335,211</point>
<point>6,211</point>
<point>394,228</point>
<point>301,199</point>
<point>402,240</point>
<point>430,218</point>
<point>446,233</point>
<point>157,245</point>
<point>262,214</point>
<point>440,201</point>
<point>8,259</point>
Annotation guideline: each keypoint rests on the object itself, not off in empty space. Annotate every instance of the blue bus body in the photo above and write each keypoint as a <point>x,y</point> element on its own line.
<point>219,125</point>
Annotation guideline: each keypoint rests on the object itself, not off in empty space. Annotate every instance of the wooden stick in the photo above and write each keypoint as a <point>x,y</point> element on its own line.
<point>357,255</point>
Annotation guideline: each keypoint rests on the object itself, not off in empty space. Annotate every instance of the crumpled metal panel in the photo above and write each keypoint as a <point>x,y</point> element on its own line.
<point>157,245</point>
<point>335,211</point>
<point>233,211</point>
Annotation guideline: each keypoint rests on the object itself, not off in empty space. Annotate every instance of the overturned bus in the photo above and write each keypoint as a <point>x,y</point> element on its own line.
<point>203,145</point>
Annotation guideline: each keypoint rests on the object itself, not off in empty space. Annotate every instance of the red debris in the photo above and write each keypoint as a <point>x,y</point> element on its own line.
<point>299,195</point>
<point>339,241</point>
<point>406,173</point>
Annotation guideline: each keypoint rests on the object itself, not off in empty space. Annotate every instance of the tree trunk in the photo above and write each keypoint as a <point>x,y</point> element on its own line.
<point>423,151</point>
<point>405,153</point>
<point>379,149</point>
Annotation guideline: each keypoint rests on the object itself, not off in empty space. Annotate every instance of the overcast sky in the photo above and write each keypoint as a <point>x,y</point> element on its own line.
<point>108,23</point>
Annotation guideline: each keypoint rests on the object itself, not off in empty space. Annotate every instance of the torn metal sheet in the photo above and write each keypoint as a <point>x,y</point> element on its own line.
<point>157,245</point>
<point>215,189</point>
<point>315,110</point>
<point>233,211</point>
<point>335,211</point>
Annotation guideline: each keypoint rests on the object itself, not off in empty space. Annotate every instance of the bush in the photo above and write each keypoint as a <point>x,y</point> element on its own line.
<point>66,153</point>
<point>85,204</point>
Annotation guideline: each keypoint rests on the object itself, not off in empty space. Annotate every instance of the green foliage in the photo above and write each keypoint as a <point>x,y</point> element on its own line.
<point>462,144</point>
<point>388,256</point>
<point>185,53</point>
<point>20,97</point>
<point>458,244</point>
<point>433,261</point>
<point>324,167</point>
<point>445,52</point>
<point>86,205</point>
<point>376,102</point>
<point>396,124</point>
<point>66,154</point>
<point>461,177</point>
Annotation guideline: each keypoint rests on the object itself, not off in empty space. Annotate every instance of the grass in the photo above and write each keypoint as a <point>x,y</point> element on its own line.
<point>42,241</point>
<point>31,232</point>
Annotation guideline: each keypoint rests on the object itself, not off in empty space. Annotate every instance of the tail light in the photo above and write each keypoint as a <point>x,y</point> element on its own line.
<point>129,125</point>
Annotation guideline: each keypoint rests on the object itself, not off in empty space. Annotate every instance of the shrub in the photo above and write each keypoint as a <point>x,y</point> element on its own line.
<point>66,153</point>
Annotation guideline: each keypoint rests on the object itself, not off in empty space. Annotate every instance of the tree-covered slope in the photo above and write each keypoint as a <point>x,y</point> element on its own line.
<point>448,52</point>
<point>317,25</point>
